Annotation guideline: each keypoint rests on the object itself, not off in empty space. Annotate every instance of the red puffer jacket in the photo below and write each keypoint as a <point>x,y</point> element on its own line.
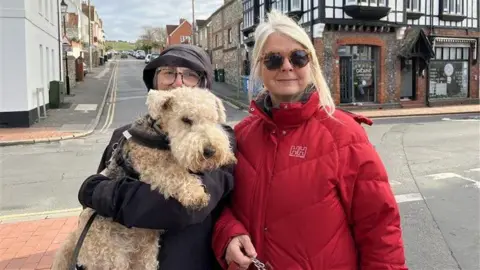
<point>311,192</point>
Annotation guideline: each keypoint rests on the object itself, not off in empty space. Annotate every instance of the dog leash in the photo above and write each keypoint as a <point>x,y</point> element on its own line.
<point>76,251</point>
<point>258,264</point>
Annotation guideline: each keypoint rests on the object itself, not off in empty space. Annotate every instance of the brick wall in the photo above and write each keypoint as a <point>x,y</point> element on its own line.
<point>388,68</point>
<point>226,53</point>
<point>71,70</point>
<point>216,39</point>
<point>184,29</point>
<point>233,16</point>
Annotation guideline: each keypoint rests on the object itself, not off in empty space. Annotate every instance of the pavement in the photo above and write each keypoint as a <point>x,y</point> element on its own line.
<point>240,99</point>
<point>77,116</point>
<point>433,162</point>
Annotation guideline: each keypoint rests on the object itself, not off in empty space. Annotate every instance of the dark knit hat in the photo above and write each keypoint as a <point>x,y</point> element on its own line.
<point>180,55</point>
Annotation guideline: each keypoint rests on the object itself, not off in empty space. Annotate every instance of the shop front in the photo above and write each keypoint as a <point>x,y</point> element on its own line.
<point>450,71</point>
<point>358,73</point>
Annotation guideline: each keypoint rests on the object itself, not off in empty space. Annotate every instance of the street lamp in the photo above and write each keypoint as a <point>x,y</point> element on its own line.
<point>64,7</point>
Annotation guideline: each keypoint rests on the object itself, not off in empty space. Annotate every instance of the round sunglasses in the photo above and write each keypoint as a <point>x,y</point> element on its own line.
<point>274,60</point>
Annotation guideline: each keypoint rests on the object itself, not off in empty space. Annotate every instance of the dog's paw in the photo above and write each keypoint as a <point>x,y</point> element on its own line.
<point>197,198</point>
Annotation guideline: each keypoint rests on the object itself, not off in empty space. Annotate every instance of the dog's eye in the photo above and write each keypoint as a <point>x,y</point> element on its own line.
<point>187,120</point>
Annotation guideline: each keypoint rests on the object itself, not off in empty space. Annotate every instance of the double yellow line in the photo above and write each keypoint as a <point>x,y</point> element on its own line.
<point>113,97</point>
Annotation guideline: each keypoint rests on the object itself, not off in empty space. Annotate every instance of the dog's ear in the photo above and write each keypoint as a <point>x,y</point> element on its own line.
<point>157,102</point>
<point>222,116</point>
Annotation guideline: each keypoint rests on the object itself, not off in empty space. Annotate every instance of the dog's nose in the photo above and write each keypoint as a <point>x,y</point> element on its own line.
<point>208,152</point>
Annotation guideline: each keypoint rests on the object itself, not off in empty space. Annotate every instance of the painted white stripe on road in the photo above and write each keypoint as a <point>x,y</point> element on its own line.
<point>473,170</point>
<point>394,183</point>
<point>443,176</point>
<point>409,197</point>
<point>461,120</point>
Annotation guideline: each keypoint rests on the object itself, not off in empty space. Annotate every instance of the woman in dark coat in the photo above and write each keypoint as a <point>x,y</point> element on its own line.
<point>187,242</point>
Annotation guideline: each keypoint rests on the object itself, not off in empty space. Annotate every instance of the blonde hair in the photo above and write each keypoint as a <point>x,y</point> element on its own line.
<point>277,22</point>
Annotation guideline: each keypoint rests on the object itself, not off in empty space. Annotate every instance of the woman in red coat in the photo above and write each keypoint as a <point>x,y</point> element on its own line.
<point>311,193</point>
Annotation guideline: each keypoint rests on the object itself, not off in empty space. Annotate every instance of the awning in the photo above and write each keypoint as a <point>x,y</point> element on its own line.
<point>416,44</point>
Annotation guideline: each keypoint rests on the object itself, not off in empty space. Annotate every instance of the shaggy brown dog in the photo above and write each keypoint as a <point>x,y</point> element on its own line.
<point>192,118</point>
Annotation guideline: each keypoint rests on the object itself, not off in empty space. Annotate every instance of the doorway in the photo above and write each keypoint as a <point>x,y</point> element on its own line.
<point>408,80</point>
<point>358,74</point>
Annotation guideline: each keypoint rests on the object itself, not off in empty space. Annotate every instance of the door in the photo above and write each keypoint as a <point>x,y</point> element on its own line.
<point>408,81</point>
<point>346,79</point>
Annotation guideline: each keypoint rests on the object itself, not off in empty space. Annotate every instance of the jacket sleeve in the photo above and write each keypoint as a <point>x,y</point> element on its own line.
<point>132,203</point>
<point>371,208</point>
<point>226,227</point>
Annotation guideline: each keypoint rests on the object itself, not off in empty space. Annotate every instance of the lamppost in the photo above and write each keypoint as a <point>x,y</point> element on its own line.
<point>64,14</point>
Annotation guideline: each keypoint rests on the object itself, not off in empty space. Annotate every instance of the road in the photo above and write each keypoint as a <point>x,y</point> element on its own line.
<point>433,164</point>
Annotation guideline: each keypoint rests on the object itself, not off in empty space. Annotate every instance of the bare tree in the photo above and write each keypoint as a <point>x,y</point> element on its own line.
<point>153,37</point>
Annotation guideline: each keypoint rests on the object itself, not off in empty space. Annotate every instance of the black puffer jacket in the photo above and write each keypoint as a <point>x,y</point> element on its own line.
<point>187,243</point>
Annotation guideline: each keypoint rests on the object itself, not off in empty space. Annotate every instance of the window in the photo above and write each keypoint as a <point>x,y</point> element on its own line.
<point>47,56</point>
<point>413,5</point>
<point>53,65</point>
<point>185,39</point>
<point>453,6</point>
<point>371,3</point>
<point>52,14</point>
<point>42,69</point>
<point>261,9</point>
<point>47,10</point>
<point>284,8</point>
<point>216,40</point>
<point>296,5</point>
<point>248,15</point>
<point>448,72</point>
<point>230,37</point>
<point>40,6</point>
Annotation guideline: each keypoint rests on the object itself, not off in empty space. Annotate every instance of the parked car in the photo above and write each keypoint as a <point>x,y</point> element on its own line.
<point>153,56</point>
<point>85,69</point>
<point>147,58</point>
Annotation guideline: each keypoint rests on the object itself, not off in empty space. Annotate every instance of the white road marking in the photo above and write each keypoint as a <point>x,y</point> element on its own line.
<point>394,183</point>
<point>442,176</point>
<point>460,120</point>
<point>409,197</point>
<point>473,170</point>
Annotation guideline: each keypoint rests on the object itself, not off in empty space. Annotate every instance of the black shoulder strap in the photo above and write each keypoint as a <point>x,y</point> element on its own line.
<point>76,251</point>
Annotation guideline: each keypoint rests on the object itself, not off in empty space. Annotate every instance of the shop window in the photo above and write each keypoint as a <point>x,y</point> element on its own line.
<point>449,73</point>
<point>358,73</point>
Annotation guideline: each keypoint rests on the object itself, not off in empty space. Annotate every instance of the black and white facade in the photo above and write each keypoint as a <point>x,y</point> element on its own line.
<point>381,53</point>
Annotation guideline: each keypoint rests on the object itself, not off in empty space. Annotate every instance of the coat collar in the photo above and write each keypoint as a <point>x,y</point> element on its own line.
<point>287,115</point>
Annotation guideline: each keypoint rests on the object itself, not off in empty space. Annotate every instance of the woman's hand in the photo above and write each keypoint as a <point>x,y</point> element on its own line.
<point>240,250</point>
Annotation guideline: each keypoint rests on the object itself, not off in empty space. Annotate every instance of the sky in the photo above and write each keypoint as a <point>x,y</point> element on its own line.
<point>124,19</point>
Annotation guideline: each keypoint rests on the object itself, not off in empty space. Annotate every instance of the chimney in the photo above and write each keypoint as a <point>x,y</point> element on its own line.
<point>181,21</point>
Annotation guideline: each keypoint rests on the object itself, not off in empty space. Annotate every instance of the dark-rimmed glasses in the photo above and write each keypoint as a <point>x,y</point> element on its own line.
<point>168,76</point>
<point>274,60</point>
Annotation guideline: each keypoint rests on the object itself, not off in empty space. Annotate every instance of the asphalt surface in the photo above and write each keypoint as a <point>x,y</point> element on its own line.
<point>432,161</point>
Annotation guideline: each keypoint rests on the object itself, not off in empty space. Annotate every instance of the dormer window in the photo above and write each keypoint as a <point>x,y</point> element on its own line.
<point>452,10</point>
<point>366,9</point>
<point>413,9</point>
